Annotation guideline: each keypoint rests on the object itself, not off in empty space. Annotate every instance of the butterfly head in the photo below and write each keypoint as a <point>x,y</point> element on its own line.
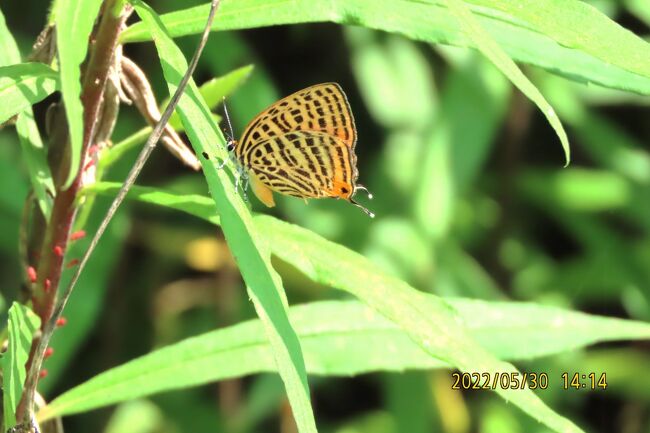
<point>351,200</point>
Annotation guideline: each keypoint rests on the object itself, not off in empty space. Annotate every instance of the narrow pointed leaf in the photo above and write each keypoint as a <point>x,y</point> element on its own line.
<point>22,85</point>
<point>428,320</point>
<point>340,338</point>
<point>265,286</point>
<point>30,139</point>
<point>74,23</point>
<point>21,327</point>
<point>528,32</point>
<point>491,49</point>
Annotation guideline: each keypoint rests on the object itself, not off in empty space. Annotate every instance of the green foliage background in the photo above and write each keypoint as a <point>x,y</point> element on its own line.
<point>471,199</point>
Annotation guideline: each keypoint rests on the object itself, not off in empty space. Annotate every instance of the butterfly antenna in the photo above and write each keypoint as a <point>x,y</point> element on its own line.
<point>231,138</point>
<point>230,142</point>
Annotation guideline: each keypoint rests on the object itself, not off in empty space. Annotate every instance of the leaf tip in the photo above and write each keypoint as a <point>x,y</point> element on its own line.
<point>567,153</point>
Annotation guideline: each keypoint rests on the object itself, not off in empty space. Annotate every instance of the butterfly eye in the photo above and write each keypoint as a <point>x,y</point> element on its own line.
<point>230,147</point>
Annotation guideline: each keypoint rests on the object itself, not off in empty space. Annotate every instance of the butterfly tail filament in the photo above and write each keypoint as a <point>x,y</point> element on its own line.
<point>363,188</point>
<point>351,200</point>
<point>364,209</point>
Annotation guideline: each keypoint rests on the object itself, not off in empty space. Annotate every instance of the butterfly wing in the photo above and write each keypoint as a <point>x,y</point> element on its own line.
<point>303,164</point>
<point>320,108</point>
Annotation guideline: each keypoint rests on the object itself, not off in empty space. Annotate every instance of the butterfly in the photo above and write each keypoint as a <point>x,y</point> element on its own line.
<point>302,146</point>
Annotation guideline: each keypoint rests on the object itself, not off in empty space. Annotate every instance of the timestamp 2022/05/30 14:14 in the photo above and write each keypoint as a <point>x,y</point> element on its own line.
<point>530,380</point>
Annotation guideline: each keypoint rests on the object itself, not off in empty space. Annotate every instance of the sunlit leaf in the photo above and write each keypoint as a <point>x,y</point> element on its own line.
<point>428,320</point>
<point>24,84</point>
<point>341,339</point>
<point>74,22</point>
<point>265,286</point>
<point>21,327</point>
<point>30,139</point>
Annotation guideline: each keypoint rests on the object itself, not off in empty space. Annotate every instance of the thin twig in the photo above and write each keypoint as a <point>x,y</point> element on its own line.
<point>130,180</point>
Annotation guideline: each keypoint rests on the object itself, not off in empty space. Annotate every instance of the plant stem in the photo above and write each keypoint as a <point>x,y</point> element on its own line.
<point>55,243</point>
<point>109,29</point>
<point>149,146</point>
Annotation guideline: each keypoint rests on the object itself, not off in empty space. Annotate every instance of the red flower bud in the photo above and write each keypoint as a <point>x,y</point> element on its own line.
<point>77,235</point>
<point>31,274</point>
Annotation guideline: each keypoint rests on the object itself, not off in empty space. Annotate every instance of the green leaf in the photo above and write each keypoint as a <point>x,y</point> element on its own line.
<point>30,139</point>
<point>639,8</point>
<point>427,319</point>
<point>522,330</point>
<point>193,204</point>
<point>36,160</point>
<point>473,104</point>
<point>264,285</point>
<point>74,23</point>
<point>214,90</point>
<point>9,52</point>
<point>491,49</point>
<point>23,85</point>
<point>21,327</point>
<point>139,416</point>
<point>526,37</point>
<point>580,189</point>
<point>577,24</point>
<point>394,78</point>
<point>340,338</point>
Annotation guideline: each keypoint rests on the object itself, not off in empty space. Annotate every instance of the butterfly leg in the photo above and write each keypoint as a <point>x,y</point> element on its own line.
<point>241,178</point>
<point>225,161</point>
<point>237,179</point>
<point>222,165</point>
<point>238,173</point>
<point>367,212</point>
<point>245,188</point>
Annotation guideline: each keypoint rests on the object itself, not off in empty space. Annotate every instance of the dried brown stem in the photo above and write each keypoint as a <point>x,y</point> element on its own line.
<point>137,88</point>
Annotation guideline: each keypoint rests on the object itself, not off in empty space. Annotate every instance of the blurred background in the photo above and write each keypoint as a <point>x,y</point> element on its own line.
<point>471,201</point>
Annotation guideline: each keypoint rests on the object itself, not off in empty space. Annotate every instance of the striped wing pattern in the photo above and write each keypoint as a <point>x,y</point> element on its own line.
<point>303,146</point>
<point>305,164</point>
<point>319,108</point>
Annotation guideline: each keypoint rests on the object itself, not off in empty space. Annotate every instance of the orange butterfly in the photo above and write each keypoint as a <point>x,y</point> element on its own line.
<point>303,146</point>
